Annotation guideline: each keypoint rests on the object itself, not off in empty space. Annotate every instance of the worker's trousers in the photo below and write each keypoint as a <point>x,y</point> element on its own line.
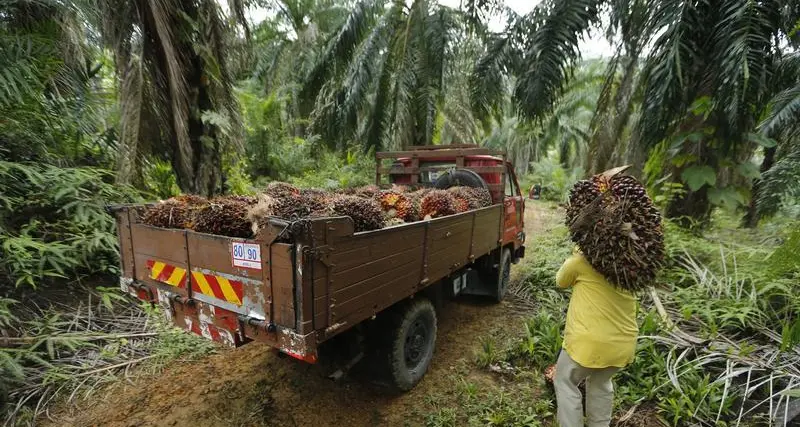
<point>599,393</point>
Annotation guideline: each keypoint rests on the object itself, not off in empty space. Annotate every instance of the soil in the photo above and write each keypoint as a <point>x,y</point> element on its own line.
<point>254,386</point>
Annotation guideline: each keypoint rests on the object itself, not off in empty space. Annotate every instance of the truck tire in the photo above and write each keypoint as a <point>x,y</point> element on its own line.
<point>503,275</point>
<point>460,177</point>
<point>411,343</point>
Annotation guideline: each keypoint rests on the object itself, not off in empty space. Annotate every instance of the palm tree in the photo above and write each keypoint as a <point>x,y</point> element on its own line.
<point>565,129</point>
<point>711,58</point>
<point>780,169</point>
<point>175,87</point>
<point>286,46</point>
<point>383,75</point>
<point>47,103</point>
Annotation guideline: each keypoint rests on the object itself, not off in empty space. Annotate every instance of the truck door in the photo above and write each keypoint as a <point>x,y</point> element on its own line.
<point>514,208</point>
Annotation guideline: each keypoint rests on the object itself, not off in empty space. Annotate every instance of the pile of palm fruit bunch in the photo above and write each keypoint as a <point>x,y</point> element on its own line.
<point>617,228</point>
<point>370,207</point>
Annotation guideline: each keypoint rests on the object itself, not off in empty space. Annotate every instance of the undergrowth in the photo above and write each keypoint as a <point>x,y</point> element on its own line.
<point>725,352</point>
<point>69,350</point>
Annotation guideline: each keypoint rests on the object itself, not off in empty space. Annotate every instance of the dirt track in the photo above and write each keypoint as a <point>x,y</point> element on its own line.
<point>253,386</point>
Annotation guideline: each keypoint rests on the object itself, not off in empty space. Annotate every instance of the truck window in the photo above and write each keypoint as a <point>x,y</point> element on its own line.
<point>511,188</point>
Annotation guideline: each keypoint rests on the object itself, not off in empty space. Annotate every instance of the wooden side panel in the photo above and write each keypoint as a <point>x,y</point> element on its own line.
<point>486,234</point>
<point>448,243</point>
<point>355,276</point>
<point>125,243</point>
<point>366,269</point>
<point>283,283</point>
<point>165,244</point>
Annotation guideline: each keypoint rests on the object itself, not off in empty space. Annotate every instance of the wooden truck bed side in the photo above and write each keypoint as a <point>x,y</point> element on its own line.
<point>354,276</point>
<point>326,280</point>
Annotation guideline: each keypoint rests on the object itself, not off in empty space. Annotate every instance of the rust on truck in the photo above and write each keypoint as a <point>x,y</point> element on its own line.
<point>297,284</point>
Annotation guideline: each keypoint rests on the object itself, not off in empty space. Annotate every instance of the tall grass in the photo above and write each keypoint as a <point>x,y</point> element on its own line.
<point>727,352</point>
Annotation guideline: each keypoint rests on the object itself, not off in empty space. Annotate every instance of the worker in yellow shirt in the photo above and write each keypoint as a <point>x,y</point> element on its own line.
<point>599,339</point>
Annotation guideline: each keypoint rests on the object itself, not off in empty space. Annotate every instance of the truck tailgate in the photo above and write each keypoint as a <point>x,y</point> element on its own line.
<point>214,286</point>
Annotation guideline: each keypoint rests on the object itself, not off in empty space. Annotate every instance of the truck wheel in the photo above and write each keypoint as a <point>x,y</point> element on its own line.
<point>412,339</point>
<point>503,275</point>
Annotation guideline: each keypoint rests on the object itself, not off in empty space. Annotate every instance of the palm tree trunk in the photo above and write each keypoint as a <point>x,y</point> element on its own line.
<point>752,216</point>
<point>611,129</point>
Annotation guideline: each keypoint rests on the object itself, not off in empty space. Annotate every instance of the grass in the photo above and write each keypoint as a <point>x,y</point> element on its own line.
<point>727,353</point>
<point>66,347</point>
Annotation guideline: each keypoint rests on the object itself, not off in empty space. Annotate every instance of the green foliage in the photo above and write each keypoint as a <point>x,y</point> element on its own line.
<point>554,179</point>
<point>54,222</point>
<point>721,290</point>
<point>519,406</point>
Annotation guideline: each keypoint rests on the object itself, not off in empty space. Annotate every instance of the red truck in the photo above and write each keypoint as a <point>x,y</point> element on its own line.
<point>300,284</point>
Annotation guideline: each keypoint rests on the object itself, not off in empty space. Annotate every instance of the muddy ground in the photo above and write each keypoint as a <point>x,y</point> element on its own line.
<point>254,386</point>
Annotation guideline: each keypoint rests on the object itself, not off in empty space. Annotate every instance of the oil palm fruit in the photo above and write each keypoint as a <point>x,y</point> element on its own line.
<point>281,189</point>
<point>315,199</point>
<point>176,212</point>
<point>618,229</point>
<point>225,216</point>
<point>365,213</point>
<point>437,203</point>
<point>395,205</point>
<point>482,197</point>
<point>462,199</point>
<point>367,191</point>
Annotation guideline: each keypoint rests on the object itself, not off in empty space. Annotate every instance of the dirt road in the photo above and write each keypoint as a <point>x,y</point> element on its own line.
<point>253,386</point>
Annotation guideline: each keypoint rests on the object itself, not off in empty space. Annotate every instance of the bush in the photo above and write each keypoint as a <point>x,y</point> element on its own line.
<point>555,180</point>
<point>54,224</point>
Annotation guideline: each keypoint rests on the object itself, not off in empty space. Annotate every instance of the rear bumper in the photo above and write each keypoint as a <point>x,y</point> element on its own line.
<point>221,325</point>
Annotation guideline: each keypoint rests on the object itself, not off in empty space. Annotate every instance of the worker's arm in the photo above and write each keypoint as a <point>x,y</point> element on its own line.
<point>567,273</point>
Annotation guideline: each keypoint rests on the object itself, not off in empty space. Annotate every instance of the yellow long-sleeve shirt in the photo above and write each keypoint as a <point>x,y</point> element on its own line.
<point>601,326</point>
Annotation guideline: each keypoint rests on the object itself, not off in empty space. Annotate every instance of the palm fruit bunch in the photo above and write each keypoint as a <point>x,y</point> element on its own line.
<point>365,213</point>
<point>481,196</point>
<point>618,228</point>
<point>176,212</point>
<point>281,189</point>
<point>396,205</point>
<point>461,198</point>
<point>225,216</point>
<point>367,191</point>
<point>315,199</point>
<point>437,203</point>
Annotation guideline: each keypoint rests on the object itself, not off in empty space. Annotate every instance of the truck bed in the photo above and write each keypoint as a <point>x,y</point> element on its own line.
<point>296,284</point>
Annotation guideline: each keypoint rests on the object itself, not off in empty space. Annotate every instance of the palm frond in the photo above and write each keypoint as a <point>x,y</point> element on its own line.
<point>745,58</point>
<point>551,52</point>
<point>339,48</point>
<point>488,80</point>
<point>363,71</point>
<point>779,182</point>
<point>667,68</point>
<point>22,73</point>
<point>784,112</point>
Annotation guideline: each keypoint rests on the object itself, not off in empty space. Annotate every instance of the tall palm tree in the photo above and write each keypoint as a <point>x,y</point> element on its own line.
<point>712,58</point>
<point>565,129</point>
<point>47,104</point>
<point>382,77</point>
<point>285,48</point>
<point>780,169</point>
<point>175,87</point>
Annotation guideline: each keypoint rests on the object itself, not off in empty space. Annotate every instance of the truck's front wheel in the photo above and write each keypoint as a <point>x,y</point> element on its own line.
<point>413,337</point>
<point>503,275</point>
